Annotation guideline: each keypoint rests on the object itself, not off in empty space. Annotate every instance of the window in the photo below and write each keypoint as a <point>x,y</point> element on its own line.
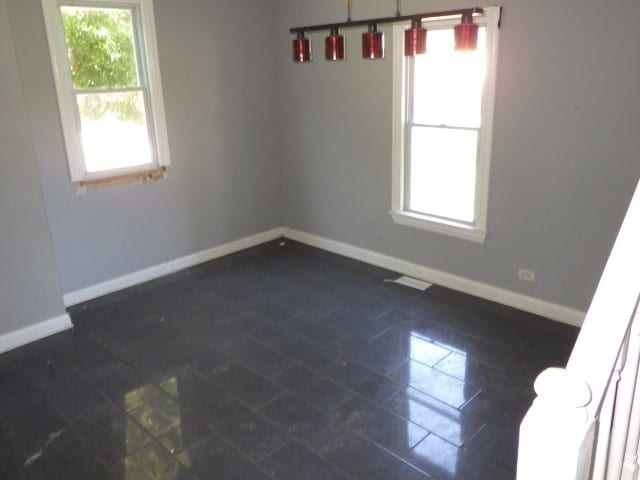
<point>109,93</point>
<point>443,111</point>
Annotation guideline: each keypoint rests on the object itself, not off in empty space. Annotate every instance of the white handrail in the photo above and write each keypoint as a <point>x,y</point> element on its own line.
<point>612,309</point>
<point>567,436</point>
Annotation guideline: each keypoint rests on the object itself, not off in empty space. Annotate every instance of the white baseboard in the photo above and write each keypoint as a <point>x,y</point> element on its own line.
<point>29,334</point>
<point>157,271</point>
<point>520,301</point>
<point>529,304</point>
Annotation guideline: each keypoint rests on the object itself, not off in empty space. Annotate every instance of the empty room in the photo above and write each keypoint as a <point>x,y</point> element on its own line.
<point>319,239</point>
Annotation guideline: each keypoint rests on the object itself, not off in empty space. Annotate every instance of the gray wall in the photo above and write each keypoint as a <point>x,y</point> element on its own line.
<point>565,155</point>
<point>29,286</point>
<point>219,86</point>
<point>257,142</point>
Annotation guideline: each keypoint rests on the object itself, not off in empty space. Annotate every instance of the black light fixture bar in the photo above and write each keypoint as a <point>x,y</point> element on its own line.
<point>385,20</point>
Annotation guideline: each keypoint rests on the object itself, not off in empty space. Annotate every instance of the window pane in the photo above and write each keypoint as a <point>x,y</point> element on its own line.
<point>114,130</point>
<point>448,84</point>
<point>443,172</point>
<point>101,47</point>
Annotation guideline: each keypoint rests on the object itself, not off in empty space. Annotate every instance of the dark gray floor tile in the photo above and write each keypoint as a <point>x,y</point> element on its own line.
<point>497,445</point>
<point>247,431</point>
<point>366,305</point>
<point>222,336</point>
<point>315,331</point>
<point>516,390</point>
<point>445,421</point>
<point>297,418</point>
<point>196,454</point>
<point>49,367</point>
<point>34,431</point>
<point>352,323</point>
<point>114,443</point>
<point>194,391</point>
<point>262,330</point>
<point>397,317</point>
<point>194,353</point>
<point>150,463</point>
<point>316,441</point>
<point>91,359</point>
<point>249,322</point>
<point>313,388</point>
<point>447,462</point>
<point>247,386</point>
<point>393,432</point>
<point>304,303</point>
<point>367,383</point>
<point>118,382</point>
<point>189,430</point>
<point>437,457</point>
<point>118,336</point>
<point>259,357</point>
<point>371,356</point>
<point>103,416</point>
<point>293,461</point>
<point>272,310</point>
<point>72,464</point>
<point>493,355</point>
<point>226,463</point>
<point>496,409</point>
<point>19,393</point>
<point>302,350</point>
<point>155,411</point>
<point>411,346</point>
<point>156,351</point>
<point>76,400</point>
<point>148,395</point>
<point>364,460</point>
<point>399,298</point>
<point>152,361</point>
<point>432,382</point>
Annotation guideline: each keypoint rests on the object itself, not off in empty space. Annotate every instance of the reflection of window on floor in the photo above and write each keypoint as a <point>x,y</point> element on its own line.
<point>163,420</point>
<point>434,416</point>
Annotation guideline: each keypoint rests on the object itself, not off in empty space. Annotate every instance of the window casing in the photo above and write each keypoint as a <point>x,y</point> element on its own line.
<point>442,130</point>
<point>113,117</point>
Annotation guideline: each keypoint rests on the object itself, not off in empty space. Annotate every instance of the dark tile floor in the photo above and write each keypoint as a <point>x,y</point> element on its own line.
<point>280,362</point>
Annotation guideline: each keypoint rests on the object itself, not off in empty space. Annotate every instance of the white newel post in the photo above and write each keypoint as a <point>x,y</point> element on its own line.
<point>557,434</point>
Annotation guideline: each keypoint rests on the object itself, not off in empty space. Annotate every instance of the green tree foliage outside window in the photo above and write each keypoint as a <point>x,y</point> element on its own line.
<point>102,55</point>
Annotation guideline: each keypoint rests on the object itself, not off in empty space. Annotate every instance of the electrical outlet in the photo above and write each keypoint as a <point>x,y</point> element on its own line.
<point>526,275</point>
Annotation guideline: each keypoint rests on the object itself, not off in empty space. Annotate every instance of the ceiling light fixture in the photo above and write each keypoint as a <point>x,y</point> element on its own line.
<point>466,33</point>
<point>373,43</point>
<point>301,48</point>
<point>334,46</point>
<point>415,39</point>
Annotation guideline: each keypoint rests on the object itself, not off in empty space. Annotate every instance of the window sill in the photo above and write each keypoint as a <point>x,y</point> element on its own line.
<point>452,229</point>
<point>144,176</point>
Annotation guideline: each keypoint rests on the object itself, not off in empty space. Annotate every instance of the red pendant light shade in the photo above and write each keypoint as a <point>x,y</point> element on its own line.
<point>301,49</point>
<point>415,39</point>
<point>466,33</point>
<point>373,43</point>
<point>334,46</point>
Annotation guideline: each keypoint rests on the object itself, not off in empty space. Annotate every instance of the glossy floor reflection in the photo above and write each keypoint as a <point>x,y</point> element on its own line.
<point>276,362</point>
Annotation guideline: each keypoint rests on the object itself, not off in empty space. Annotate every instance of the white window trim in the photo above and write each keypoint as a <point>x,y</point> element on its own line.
<point>151,84</point>
<point>477,231</point>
